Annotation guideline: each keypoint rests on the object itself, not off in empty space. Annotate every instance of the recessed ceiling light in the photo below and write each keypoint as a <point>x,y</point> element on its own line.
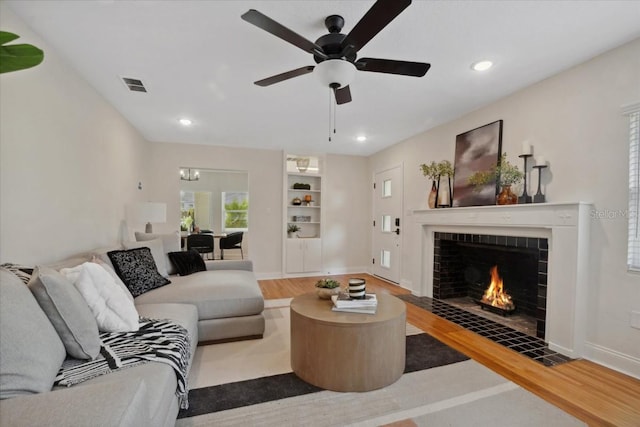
<point>481,65</point>
<point>185,122</point>
<point>361,138</point>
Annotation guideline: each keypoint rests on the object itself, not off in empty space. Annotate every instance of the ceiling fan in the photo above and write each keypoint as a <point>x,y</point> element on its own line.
<point>335,53</point>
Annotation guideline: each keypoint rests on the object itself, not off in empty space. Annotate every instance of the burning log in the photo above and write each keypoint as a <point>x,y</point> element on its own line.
<point>495,296</point>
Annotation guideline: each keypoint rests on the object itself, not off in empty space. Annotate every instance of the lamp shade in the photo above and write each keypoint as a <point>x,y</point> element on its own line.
<point>150,212</point>
<point>335,71</point>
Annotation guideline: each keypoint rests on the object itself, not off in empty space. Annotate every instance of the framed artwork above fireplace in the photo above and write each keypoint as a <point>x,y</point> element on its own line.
<point>476,150</point>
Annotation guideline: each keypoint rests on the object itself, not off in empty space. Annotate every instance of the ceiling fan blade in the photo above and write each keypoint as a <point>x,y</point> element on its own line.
<point>269,25</point>
<point>376,18</point>
<point>284,76</point>
<point>343,95</point>
<point>390,66</point>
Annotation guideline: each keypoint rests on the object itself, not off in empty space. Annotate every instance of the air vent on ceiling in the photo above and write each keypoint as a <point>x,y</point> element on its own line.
<point>134,85</point>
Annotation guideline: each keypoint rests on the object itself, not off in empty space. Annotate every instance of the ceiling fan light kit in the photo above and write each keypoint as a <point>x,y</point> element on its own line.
<point>334,72</point>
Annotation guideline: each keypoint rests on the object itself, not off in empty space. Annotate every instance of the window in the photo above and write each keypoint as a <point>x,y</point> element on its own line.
<point>386,188</point>
<point>633,257</point>
<point>235,211</point>
<point>386,223</point>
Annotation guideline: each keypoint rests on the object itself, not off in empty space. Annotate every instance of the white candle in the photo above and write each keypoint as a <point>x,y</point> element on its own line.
<point>541,161</point>
<point>526,148</point>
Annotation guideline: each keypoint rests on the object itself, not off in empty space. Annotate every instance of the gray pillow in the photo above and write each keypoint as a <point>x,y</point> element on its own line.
<point>170,243</point>
<point>31,352</point>
<point>68,312</point>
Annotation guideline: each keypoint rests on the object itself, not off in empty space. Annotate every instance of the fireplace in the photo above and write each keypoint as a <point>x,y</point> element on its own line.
<point>462,265</point>
<point>566,229</point>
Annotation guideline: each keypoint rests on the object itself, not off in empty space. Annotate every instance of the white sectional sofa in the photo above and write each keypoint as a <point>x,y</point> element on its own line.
<point>222,303</point>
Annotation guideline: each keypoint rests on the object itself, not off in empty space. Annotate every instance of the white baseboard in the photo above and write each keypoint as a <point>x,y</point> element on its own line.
<point>563,350</point>
<point>615,360</point>
<point>348,270</point>
<point>268,275</point>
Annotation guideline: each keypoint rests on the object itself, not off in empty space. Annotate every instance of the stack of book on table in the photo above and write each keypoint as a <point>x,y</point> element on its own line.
<point>342,302</point>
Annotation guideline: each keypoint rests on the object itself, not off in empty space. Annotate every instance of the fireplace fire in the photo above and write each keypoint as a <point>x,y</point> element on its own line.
<point>495,298</point>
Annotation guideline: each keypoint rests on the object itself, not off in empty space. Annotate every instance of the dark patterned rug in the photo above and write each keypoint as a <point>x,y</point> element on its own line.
<point>423,352</point>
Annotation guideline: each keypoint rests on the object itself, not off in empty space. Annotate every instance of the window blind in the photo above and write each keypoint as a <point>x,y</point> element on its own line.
<point>633,257</point>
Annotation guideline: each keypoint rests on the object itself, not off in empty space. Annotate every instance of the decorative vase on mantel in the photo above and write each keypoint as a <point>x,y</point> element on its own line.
<point>432,195</point>
<point>506,196</point>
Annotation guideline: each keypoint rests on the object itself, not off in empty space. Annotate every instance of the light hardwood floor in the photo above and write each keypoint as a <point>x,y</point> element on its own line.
<point>593,393</point>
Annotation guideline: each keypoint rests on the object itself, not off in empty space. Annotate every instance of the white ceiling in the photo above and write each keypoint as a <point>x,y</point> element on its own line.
<point>199,60</point>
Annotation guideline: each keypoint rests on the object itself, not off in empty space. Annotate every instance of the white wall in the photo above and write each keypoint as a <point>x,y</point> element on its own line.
<point>69,163</point>
<point>346,204</point>
<point>573,119</point>
<point>265,192</point>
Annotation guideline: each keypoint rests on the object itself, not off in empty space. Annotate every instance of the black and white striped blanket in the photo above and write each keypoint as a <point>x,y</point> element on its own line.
<point>157,340</point>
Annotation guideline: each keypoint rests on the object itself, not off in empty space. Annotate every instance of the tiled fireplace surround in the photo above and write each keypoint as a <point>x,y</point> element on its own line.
<point>522,264</point>
<point>564,226</point>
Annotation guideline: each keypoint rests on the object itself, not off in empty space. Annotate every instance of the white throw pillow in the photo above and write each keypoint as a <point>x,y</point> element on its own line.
<point>157,252</point>
<point>115,276</point>
<point>113,310</point>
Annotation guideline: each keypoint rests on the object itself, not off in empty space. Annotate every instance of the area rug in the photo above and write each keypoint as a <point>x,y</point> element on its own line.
<point>440,387</point>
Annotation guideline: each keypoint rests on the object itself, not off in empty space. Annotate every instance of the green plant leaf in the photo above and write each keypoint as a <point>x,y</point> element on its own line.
<point>6,37</point>
<point>17,56</point>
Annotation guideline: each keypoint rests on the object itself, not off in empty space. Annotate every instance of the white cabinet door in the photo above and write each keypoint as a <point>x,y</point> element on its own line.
<point>313,255</point>
<point>295,256</point>
<point>304,255</point>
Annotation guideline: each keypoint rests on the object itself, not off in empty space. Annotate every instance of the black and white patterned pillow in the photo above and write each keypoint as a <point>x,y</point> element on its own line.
<point>22,271</point>
<point>137,269</point>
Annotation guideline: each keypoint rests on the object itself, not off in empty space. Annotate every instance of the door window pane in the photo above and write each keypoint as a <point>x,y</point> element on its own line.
<point>385,259</point>
<point>386,188</point>
<point>386,223</point>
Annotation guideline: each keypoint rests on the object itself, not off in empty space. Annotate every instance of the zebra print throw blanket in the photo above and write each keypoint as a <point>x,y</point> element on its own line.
<point>157,341</point>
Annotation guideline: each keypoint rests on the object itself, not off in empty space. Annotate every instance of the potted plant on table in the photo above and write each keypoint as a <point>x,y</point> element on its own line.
<point>327,287</point>
<point>505,175</point>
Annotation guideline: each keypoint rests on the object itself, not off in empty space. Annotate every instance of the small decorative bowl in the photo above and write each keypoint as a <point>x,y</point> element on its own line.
<point>325,293</point>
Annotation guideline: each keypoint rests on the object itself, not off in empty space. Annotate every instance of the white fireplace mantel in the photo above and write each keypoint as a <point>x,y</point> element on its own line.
<point>566,225</point>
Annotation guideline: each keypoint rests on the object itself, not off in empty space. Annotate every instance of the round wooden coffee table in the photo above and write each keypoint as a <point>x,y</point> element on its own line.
<point>348,351</point>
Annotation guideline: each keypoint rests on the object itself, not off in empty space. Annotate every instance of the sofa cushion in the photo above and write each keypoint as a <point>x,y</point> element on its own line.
<point>170,243</point>
<point>68,312</point>
<point>216,294</point>
<point>187,262</point>
<point>31,352</point>
<point>157,251</point>
<point>185,315</point>
<point>112,309</point>
<point>137,269</point>
<point>121,402</point>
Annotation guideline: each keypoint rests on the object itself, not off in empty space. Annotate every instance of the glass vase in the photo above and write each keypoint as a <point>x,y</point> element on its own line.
<point>432,195</point>
<point>506,196</point>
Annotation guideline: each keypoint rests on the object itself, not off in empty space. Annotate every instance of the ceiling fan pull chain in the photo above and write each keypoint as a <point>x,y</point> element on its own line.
<point>335,113</point>
<point>330,96</point>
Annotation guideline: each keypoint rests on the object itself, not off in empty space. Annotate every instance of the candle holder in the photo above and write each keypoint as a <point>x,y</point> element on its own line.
<point>525,198</point>
<point>539,197</point>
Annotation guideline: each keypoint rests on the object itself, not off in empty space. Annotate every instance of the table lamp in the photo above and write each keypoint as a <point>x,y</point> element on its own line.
<point>151,212</point>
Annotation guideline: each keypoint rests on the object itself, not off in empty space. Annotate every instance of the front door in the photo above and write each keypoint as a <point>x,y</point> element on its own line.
<point>387,235</point>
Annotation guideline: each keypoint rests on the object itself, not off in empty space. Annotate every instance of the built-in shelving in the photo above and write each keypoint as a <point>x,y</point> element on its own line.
<point>303,207</point>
